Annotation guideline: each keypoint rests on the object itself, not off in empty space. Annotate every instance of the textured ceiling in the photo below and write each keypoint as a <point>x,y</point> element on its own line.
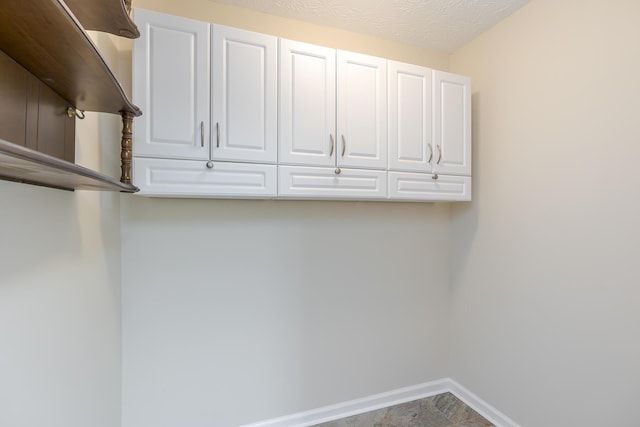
<point>440,25</point>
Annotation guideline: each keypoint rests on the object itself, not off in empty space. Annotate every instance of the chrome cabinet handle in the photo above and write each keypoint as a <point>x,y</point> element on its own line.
<point>202,134</point>
<point>217,135</point>
<point>430,153</point>
<point>439,154</point>
<point>344,145</point>
<point>332,145</point>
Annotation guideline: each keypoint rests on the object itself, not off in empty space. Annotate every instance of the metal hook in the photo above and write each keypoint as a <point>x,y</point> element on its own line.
<point>74,112</point>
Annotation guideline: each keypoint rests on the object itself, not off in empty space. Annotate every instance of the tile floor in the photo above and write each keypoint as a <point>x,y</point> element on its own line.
<point>443,410</point>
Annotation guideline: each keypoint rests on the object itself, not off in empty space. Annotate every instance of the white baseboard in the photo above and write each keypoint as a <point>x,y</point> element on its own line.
<point>383,400</point>
<point>480,406</point>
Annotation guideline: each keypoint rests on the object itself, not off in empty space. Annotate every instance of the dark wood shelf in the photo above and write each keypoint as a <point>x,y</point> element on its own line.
<point>45,37</point>
<point>111,17</point>
<point>22,164</point>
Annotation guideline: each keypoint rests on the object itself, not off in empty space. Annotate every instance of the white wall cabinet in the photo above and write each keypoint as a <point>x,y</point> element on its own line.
<point>233,113</point>
<point>332,107</point>
<point>181,67</point>
<point>333,113</point>
<point>430,134</point>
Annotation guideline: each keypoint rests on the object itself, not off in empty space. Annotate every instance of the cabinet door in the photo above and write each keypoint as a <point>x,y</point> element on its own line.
<point>410,112</point>
<point>307,113</point>
<point>171,86</point>
<point>244,95</point>
<point>362,111</point>
<point>452,123</point>
<point>191,178</point>
<point>302,182</point>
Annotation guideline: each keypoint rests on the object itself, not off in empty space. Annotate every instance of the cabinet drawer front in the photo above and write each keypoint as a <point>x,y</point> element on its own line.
<point>324,183</point>
<point>188,178</point>
<point>421,187</point>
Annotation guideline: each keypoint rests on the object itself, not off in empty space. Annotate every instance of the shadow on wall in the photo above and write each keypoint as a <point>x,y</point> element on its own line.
<point>464,216</point>
<point>45,228</point>
<point>283,305</point>
<point>146,209</point>
<point>39,225</point>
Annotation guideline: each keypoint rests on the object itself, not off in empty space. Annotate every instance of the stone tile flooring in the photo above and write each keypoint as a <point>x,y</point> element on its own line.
<point>443,410</point>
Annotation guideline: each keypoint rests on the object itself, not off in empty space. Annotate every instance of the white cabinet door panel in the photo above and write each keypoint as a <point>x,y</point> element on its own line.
<point>452,123</point>
<point>362,110</point>
<point>307,113</point>
<point>192,178</point>
<point>410,115</point>
<point>423,187</point>
<point>171,86</point>
<point>323,183</point>
<point>244,95</point>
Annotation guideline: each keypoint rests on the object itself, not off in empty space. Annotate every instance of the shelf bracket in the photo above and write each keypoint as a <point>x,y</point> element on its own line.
<point>126,154</point>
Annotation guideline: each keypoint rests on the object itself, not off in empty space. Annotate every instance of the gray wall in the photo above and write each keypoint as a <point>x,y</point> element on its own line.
<point>60,293</point>
<point>240,311</point>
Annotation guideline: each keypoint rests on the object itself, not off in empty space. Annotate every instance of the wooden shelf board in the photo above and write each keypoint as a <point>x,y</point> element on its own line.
<point>22,164</point>
<point>110,17</point>
<point>45,37</point>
